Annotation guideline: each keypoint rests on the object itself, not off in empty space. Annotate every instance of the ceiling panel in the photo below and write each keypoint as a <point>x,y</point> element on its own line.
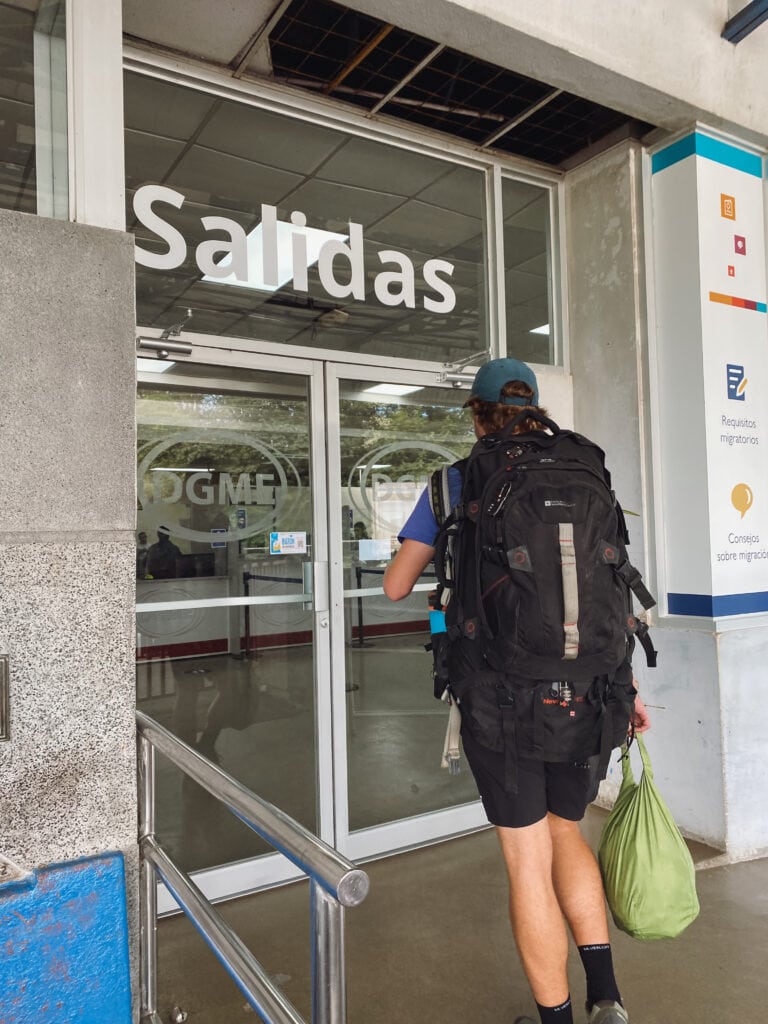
<point>268,139</point>
<point>163,109</point>
<point>232,181</point>
<point>216,32</point>
<point>460,189</point>
<point>334,206</point>
<point>376,166</point>
<point>148,158</point>
<point>437,231</point>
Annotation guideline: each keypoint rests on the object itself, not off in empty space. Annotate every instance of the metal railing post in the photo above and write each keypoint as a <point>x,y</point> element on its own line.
<point>147,883</point>
<point>329,990</point>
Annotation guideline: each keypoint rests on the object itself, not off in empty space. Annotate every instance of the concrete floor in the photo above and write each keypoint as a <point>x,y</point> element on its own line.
<point>432,943</point>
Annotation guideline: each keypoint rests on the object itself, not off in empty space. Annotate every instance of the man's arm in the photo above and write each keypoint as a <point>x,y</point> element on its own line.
<point>406,567</point>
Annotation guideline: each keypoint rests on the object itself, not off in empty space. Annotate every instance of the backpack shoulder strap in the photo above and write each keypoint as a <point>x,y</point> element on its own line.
<point>446,516</point>
<point>439,495</point>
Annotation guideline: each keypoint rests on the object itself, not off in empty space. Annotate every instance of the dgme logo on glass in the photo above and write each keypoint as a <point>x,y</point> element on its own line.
<point>263,491</point>
<point>276,252</point>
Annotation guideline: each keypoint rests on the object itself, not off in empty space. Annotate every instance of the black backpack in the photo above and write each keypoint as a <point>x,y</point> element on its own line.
<point>536,585</point>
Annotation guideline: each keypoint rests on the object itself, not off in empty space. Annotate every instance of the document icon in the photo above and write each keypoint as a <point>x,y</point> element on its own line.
<point>727,206</point>
<point>737,382</point>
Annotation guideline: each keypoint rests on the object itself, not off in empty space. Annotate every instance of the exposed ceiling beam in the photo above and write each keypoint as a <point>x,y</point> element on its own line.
<point>359,57</point>
<point>520,118</point>
<point>409,77</point>
<point>746,21</point>
<point>443,108</point>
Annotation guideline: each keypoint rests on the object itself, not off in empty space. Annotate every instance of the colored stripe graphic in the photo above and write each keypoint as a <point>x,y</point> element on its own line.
<point>704,605</point>
<point>734,300</point>
<point>711,149</point>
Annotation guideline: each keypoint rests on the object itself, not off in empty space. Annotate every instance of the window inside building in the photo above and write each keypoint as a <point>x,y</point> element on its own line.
<point>528,271</point>
<point>33,108</point>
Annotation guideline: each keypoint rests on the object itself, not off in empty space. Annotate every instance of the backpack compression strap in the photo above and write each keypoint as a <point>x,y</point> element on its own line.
<point>640,630</point>
<point>570,591</point>
<point>634,581</point>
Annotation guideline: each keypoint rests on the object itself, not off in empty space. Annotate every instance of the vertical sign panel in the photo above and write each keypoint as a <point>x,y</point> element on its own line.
<point>713,389</point>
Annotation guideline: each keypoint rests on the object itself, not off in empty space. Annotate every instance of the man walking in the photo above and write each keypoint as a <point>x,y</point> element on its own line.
<point>552,872</point>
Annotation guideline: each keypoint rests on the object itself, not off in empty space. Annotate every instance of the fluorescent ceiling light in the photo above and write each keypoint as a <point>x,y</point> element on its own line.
<point>154,365</point>
<point>181,469</point>
<point>544,329</point>
<point>316,239</point>
<point>392,389</point>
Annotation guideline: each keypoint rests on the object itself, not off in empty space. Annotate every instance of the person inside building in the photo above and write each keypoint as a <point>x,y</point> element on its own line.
<point>553,874</point>
<point>162,557</point>
<point>360,531</point>
<point>142,550</point>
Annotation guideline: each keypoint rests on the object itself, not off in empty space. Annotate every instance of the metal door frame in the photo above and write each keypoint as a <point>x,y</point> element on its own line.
<point>406,833</point>
<point>229,880</point>
<point>323,376</point>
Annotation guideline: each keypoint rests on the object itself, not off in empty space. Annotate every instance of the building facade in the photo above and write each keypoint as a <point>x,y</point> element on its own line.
<point>249,265</point>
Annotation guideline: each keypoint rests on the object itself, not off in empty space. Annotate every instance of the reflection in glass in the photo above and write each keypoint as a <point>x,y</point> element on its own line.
<point>528,271</point>
<point>395,729</point>
<point>223,472</point>
<point>33,108</point>
<point>325,239</point>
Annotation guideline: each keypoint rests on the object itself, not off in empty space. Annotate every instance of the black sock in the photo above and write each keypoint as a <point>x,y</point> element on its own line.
<point>562,1014</point>
<point>598,964</point>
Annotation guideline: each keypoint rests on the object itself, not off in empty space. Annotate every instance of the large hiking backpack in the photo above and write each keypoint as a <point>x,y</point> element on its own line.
<point>536,585</point>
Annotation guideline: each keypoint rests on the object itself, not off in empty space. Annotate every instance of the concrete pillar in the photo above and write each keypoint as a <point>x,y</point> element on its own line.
<point>67,549</point>
<point>650,404</point>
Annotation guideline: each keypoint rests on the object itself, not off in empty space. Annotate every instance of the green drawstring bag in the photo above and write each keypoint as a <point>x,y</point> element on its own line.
<point>648,873</point>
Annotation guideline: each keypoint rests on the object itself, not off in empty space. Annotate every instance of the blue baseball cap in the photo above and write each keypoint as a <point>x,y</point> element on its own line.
<point>491,378</point>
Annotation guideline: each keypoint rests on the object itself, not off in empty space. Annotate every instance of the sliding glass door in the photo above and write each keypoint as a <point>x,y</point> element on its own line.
<point>270,496</point>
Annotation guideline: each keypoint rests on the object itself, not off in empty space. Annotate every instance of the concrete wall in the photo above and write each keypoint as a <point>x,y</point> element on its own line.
<point>67,566</point>
<point>743,655</point>
<point>664,63</point>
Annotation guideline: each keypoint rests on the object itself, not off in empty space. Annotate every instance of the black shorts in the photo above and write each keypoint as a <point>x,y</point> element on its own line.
<point>562,788</point>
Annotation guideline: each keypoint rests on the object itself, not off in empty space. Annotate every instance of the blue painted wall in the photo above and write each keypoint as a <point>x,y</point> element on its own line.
<point>64,945</point>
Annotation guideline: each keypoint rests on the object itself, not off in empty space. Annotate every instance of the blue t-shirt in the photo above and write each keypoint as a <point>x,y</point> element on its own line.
<point>421,524</point>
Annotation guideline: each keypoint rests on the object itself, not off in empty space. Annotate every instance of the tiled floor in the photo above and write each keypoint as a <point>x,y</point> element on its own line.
<point>432,941</point>
<point>432,944</point>
<point>261,714</point>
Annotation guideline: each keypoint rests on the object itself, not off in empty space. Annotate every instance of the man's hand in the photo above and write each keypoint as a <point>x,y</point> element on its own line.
<point>640,718</point>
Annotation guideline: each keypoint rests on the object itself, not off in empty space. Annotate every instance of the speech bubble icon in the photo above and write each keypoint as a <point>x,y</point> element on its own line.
<point>741,498</point>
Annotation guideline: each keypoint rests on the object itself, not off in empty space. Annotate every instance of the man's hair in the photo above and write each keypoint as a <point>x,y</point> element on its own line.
<point>493,416</point>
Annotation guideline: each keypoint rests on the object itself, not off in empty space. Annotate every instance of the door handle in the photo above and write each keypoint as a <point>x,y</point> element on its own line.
<point>320,591</point>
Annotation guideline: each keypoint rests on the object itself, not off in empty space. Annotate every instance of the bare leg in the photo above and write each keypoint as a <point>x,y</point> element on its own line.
<point>577,882</point>
<point>537,921</point>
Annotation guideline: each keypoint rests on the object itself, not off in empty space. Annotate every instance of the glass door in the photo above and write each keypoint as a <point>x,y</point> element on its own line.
<point>270,495</point>
<point>232,645</point>
<point>386,435</point>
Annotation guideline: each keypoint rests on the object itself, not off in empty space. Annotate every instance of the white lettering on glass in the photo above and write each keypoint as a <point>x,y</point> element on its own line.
<point>276,252</point>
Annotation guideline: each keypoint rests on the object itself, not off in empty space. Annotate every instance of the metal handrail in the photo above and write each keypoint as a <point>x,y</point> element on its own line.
<point>335,883</point>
